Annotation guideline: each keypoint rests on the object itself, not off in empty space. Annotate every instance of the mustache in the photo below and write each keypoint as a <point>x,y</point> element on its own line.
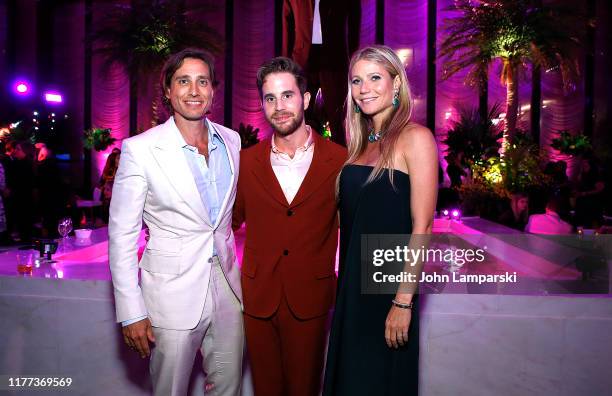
<point>282,114</point>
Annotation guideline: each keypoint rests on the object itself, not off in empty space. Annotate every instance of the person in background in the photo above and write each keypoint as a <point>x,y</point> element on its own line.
<point>6,160</point>
<point>455,170</point>
<point>320,36</point>
<point>21,186</point>
<point>550,222</point>
<point>517,215</point>
<point>107,179</point>
<point>562,187</point>
<point>110,167</point>
<point>48,190</point>
<point>3,226</point>
<point>588,192</point>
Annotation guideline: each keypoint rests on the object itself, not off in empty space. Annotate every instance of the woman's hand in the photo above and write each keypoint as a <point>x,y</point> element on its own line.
<point>396,326</point>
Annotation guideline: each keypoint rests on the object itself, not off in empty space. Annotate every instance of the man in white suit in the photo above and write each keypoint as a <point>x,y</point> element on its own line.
<point>180,178</point>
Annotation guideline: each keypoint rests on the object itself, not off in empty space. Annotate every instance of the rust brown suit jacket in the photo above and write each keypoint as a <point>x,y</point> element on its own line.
<point>289,248</point>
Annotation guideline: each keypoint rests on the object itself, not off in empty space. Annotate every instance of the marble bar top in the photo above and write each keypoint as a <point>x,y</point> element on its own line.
<point>74,260</point>
<point>85,260</point>
<point>88,260</point>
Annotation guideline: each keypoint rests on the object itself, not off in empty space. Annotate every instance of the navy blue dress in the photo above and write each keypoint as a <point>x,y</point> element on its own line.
<point>359,362</point>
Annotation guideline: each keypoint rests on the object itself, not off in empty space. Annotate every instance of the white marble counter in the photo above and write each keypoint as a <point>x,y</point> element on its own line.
<point>471,344</point>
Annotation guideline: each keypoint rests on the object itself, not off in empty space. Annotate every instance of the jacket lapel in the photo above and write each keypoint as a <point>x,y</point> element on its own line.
<point>168,153</point>
<point>263,171</point>
<point>320,169</point>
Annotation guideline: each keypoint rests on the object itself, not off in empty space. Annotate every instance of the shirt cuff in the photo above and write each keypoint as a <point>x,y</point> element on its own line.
<point>130,321</point>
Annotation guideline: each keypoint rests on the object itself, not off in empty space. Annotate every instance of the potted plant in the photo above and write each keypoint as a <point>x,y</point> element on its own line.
<point>98,139</point>
<point>573,145</point>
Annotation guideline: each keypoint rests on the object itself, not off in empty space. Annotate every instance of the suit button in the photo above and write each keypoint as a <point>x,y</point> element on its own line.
<point>290,212</point>
<point>286,252</point>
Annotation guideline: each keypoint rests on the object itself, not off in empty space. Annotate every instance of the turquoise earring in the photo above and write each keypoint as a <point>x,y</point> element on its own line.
<point>396,100</point>
<point>357,109</point>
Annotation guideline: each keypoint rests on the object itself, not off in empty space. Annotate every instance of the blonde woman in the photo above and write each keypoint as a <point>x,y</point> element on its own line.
<point>388,186</point>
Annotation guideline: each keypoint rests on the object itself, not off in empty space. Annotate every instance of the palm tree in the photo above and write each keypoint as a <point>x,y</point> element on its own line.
<point>140,36</point>
<point>516,31</point>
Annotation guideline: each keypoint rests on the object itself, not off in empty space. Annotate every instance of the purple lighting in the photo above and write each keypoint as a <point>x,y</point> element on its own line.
<point>455,213</point>
<point>22,88</point>
<point>445,212</point>
<point>53,97</point>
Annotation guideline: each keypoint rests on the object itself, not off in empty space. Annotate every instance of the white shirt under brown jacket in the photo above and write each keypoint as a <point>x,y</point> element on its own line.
<point>290,172</point>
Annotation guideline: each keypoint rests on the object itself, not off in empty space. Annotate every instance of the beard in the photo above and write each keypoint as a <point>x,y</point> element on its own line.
<point>289,127</point>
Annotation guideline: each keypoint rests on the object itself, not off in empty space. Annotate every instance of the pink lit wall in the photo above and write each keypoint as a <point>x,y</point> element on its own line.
<point>451,94</point>
<point>110,102</point>
<point>215,18</point>
<point>253,44</point>
<point>454,93</point>
<point>406,33</point>
<point>368,23</point>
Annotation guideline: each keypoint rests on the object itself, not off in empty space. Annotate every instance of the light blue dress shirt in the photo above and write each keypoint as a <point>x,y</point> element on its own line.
<point>212,179</point>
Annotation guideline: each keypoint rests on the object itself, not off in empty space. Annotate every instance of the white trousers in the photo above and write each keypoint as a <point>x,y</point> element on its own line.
<point>220,338</point>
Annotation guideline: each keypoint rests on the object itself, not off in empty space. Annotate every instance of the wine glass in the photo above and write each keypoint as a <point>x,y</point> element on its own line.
<point>64,227</point>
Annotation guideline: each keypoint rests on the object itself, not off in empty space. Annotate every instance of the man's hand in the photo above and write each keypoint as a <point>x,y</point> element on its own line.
<point>396,327</point>
<point>137,336</point>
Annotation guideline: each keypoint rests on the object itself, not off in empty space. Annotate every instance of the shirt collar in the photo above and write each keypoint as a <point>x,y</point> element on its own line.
<point>309,141</point>
<point>212,132</point>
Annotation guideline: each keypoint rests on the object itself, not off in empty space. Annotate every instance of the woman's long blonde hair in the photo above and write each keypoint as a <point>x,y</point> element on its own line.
<point>359,125</point>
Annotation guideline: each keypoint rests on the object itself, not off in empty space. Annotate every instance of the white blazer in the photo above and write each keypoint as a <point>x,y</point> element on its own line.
<point>154,183</point>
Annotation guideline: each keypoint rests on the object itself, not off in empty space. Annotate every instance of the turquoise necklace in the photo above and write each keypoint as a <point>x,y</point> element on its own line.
<point>374,136</point>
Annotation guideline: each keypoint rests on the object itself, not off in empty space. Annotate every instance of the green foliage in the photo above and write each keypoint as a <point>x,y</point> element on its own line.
<point>495,179</point>
<point>519,31</point>
<point>140,36</point>
<point>327,133</point>
<point>248,135</point>
<point>477,139</point>
<point>480,199</point>
<point>520,169</point>
<point>570,144</point>
<point>97,138</point>
<point>17,132</point>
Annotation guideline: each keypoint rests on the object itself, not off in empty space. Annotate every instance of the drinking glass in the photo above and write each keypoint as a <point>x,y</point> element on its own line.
<point>64,227</point>
<point>24,262</point>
